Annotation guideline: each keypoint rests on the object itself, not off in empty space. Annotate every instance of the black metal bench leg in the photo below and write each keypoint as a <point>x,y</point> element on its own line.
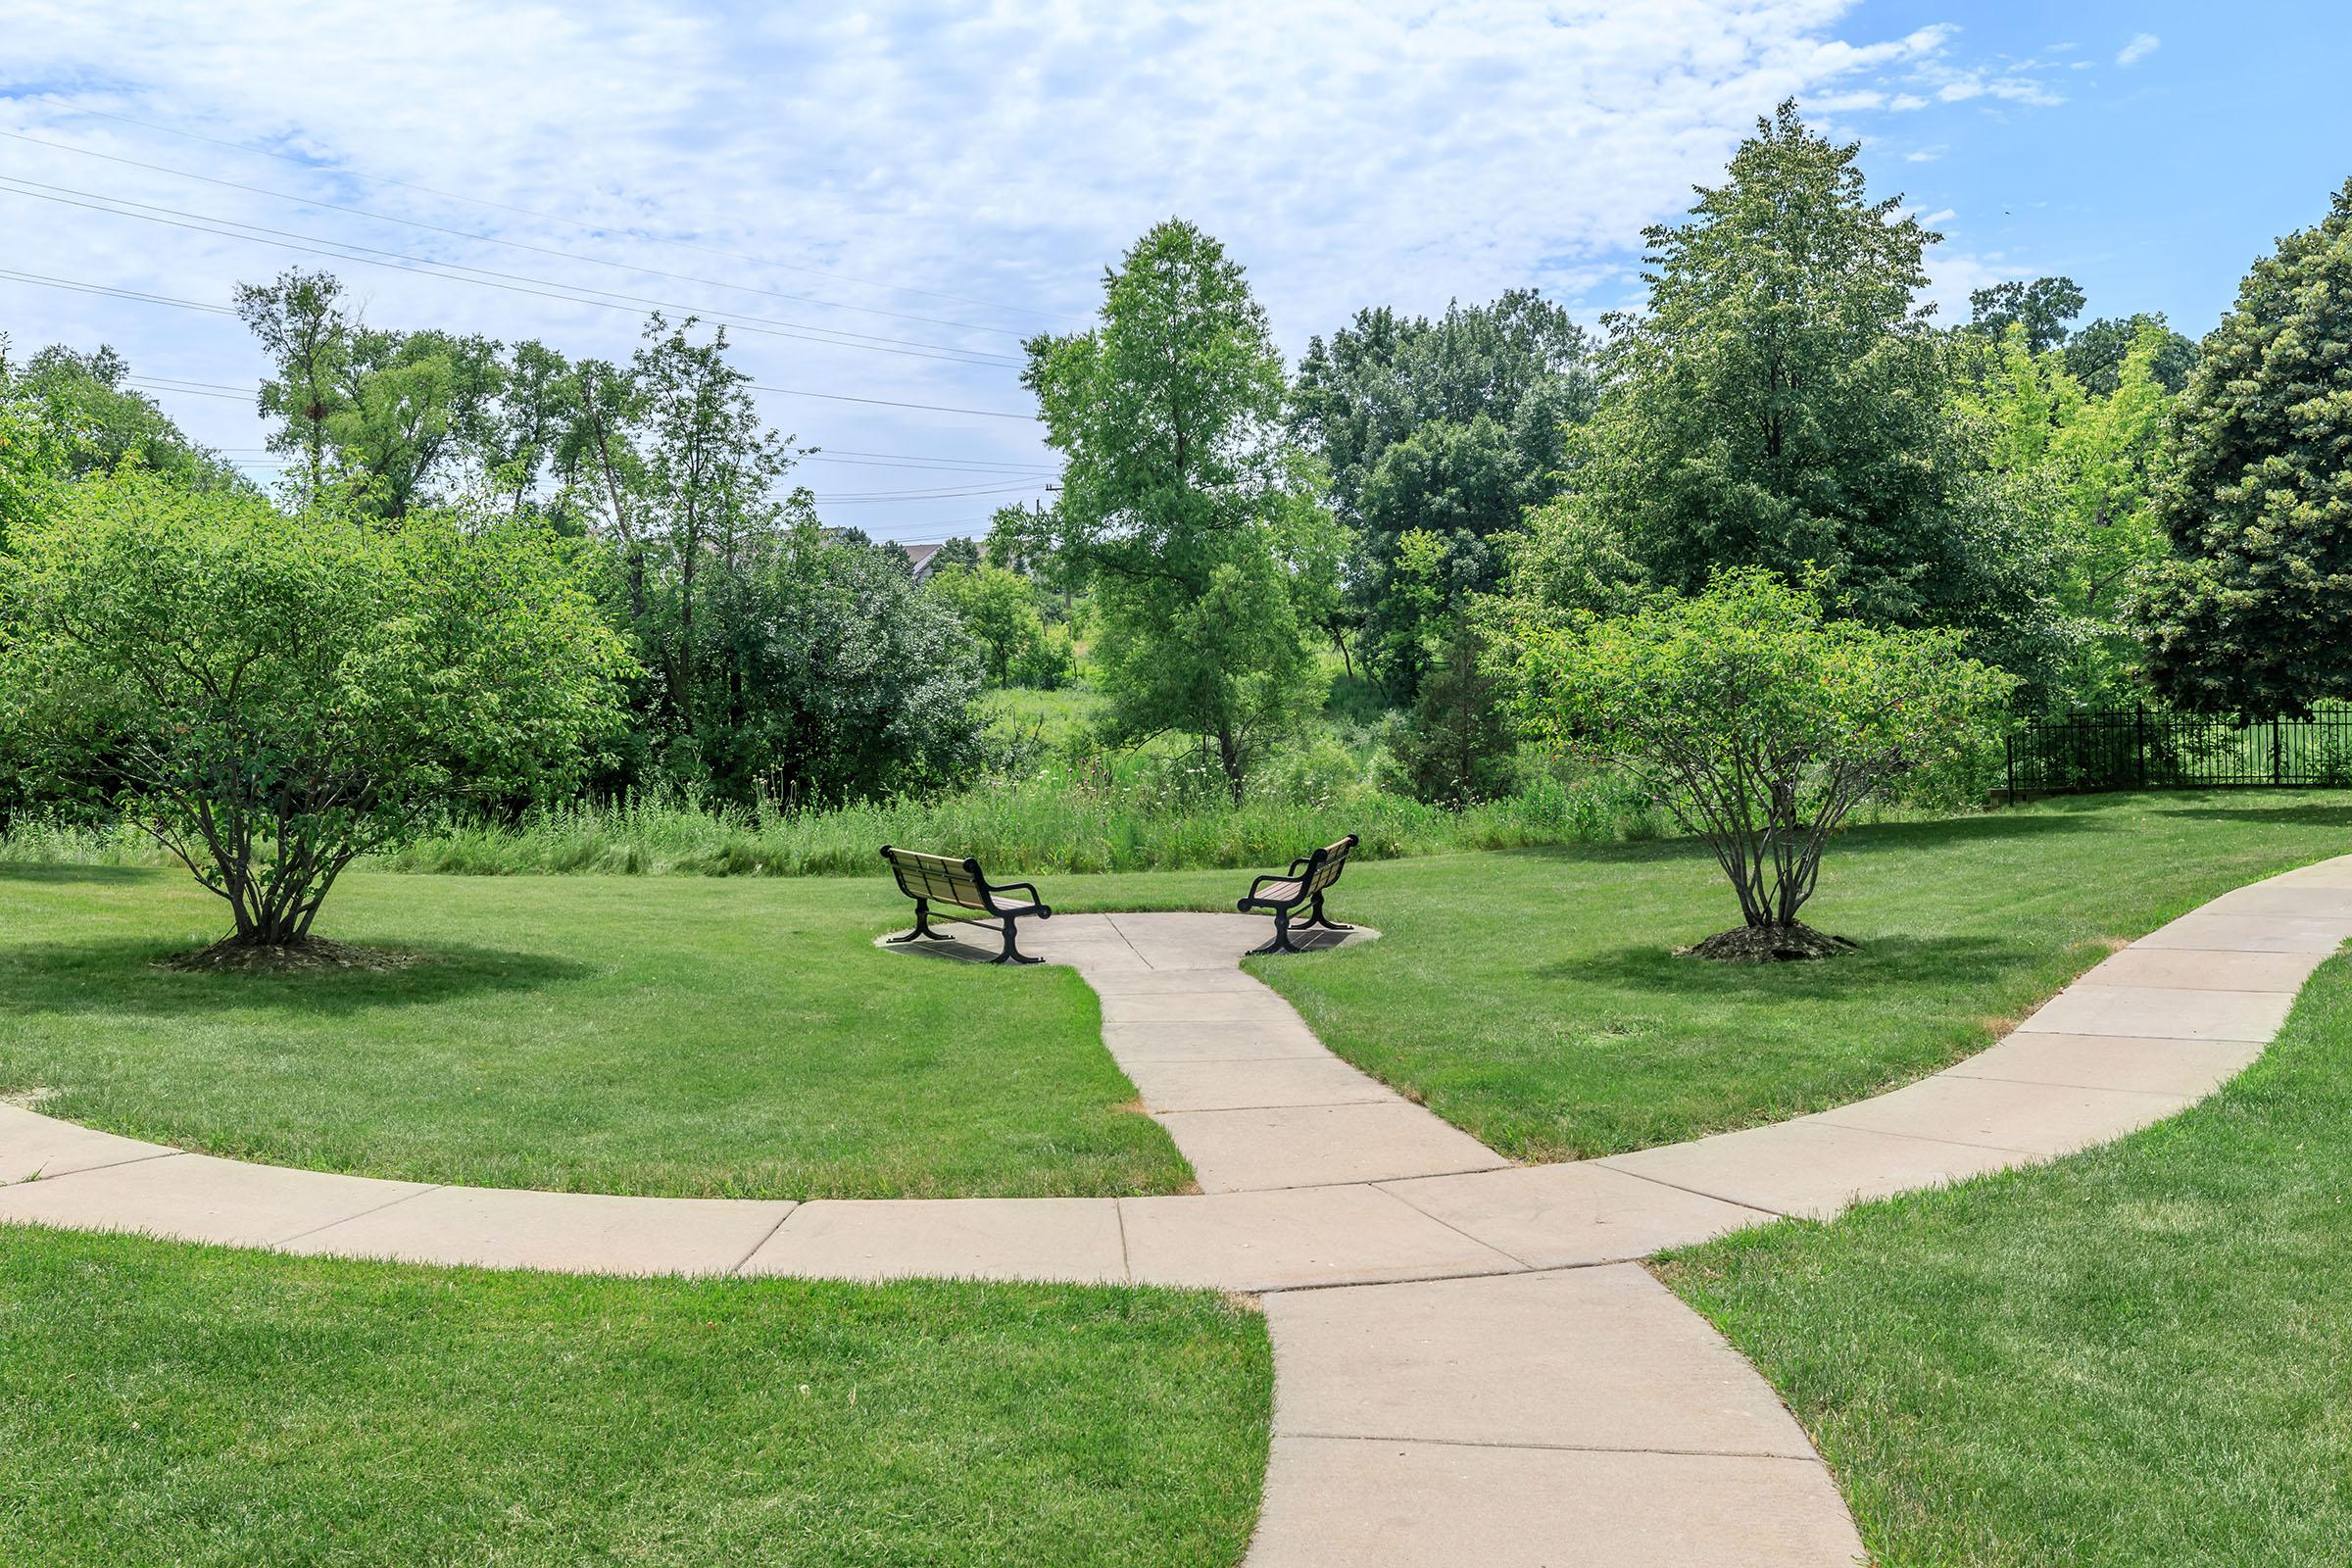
<point>1282,934</point>
<point>1319,922</point>
<point>1011,953</point>
<point>922,925</point>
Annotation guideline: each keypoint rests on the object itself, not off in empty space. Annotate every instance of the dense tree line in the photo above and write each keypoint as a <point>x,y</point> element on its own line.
<point>2088,514</point>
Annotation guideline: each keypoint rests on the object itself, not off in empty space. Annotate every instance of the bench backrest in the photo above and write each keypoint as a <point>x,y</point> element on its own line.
<point>1323,867</point>
<point>938,878</point>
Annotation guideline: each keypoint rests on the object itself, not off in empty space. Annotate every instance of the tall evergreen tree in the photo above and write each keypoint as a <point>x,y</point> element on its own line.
<point>2253,613</point>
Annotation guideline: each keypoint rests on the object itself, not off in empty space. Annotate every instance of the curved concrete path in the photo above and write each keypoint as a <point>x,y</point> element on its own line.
<point>1497,1381</point>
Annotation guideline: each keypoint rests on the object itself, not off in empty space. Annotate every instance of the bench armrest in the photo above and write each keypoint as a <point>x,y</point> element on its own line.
<point>1273,876</point>
<point>1299,865</point>
<point>1029,888</point>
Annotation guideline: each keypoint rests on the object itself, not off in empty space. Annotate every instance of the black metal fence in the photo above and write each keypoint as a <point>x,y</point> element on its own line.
<point>2144,748</point>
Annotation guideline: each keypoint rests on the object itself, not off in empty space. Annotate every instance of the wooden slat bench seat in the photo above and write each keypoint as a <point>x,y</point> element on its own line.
<point>1301,886</point>
<point>930,879</point>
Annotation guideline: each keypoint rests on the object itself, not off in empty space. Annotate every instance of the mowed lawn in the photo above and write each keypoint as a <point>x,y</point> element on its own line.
<point>1532,997</point>
<point>741,1037</point>
<point>690,1037</point>
<point>166,1403</point>
<point>2137,1358</point>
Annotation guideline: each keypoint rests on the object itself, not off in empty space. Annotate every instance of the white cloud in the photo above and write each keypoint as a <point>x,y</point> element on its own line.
<point>1348,154</point>
<point>1922,155</point>
<point>2142,45</point>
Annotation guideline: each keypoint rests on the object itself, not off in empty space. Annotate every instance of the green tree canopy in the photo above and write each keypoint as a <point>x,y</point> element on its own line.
<point>1176,479</point>
<point>998,610</point>
<point>1760,722</point>
<point>272,695</point>
<point>1782,403</point>
<point>2095,354</point>
<point>1452,428</point>
<point>2042,308</point>
<point>2252,613</point>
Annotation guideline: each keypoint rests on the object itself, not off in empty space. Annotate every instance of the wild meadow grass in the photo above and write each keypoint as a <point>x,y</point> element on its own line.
<point>1056,819</point>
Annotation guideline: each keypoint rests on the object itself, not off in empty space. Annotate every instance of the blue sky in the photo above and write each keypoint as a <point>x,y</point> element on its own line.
<point>887,197</point>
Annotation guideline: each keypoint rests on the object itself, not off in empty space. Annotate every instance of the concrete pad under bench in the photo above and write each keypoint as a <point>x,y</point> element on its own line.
<point>2202,970</point>
<point>1587,1358</point>
<point>1244,1085</point>
<point>195,1197</point>
<point>575,1233</point>
<point>1321,1146</point>
<point>1560,1216</point>
<point>2034,1118</point>
<point>1333,1502</point>
<point>1072,1240</point>
<point>2190,1068</point>
<point>2161,1012</point>
<point>1306,1235</point>
<point>1812,1170</point>
<point>34,1146</point>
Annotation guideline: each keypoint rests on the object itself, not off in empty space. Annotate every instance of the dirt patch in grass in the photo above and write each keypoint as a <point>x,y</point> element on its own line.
<point>313,956</point>
<point>1794,943</point>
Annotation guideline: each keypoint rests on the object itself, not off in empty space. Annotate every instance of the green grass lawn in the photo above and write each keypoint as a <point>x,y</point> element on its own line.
<point>1531,996</point>
<point>741,1037</point>
<point>197,1406</point>
<point>2141,1355</point>
<point>677,1035</point>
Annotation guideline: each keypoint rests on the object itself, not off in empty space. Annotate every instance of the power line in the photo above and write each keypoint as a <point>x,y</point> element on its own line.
<point>486,277</point>
<point>755,386</point>
<point>870,496</point>
<point>888,403</point>
<point>115,293</point>
<point>493,239</point>
<point>552,218</point>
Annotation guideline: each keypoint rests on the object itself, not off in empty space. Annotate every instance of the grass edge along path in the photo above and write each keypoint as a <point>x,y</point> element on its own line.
<point>163,1401</point>
<point>2134,1357</point>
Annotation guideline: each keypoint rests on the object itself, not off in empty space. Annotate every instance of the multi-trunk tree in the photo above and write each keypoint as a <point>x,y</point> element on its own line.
<point>271,696</point>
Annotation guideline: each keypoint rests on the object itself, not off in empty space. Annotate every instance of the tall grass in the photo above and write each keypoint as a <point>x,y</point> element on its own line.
<point>1039,824</point>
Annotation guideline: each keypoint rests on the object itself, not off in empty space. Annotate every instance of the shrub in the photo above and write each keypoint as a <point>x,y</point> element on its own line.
<point>270,696</point>
<point>1760,724</point>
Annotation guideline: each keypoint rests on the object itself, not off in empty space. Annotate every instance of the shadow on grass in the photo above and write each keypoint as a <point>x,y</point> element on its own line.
<point>1876,837</point>
<point>127,977</point>
<point>55,872</point>
<point>1892,964</point>
<point>2302,815</point>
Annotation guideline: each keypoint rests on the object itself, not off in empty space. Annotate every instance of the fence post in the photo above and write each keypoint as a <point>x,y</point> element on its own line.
<point>2278,772</point>
<point>2139,743</point>
<point>2009,748</point>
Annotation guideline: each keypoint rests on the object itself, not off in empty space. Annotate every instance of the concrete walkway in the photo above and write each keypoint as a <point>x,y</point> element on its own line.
<point>1496,1382</point>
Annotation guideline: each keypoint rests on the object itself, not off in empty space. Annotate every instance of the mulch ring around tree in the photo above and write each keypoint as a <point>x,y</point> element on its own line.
<point>1794,943</point>
<point>312,955</point>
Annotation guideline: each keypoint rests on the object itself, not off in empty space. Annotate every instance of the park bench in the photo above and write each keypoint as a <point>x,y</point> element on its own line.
<point>930,879</point>
<point>1301,887</point>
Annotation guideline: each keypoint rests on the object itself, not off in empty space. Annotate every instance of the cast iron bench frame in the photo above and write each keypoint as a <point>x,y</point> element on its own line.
<point>1285,892</point>
<point>944,879</point>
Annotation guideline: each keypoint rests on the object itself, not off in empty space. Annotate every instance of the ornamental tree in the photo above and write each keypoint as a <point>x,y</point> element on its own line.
<point>2253,612</point>
<point>1760,723</point>
<point>270,696</point>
